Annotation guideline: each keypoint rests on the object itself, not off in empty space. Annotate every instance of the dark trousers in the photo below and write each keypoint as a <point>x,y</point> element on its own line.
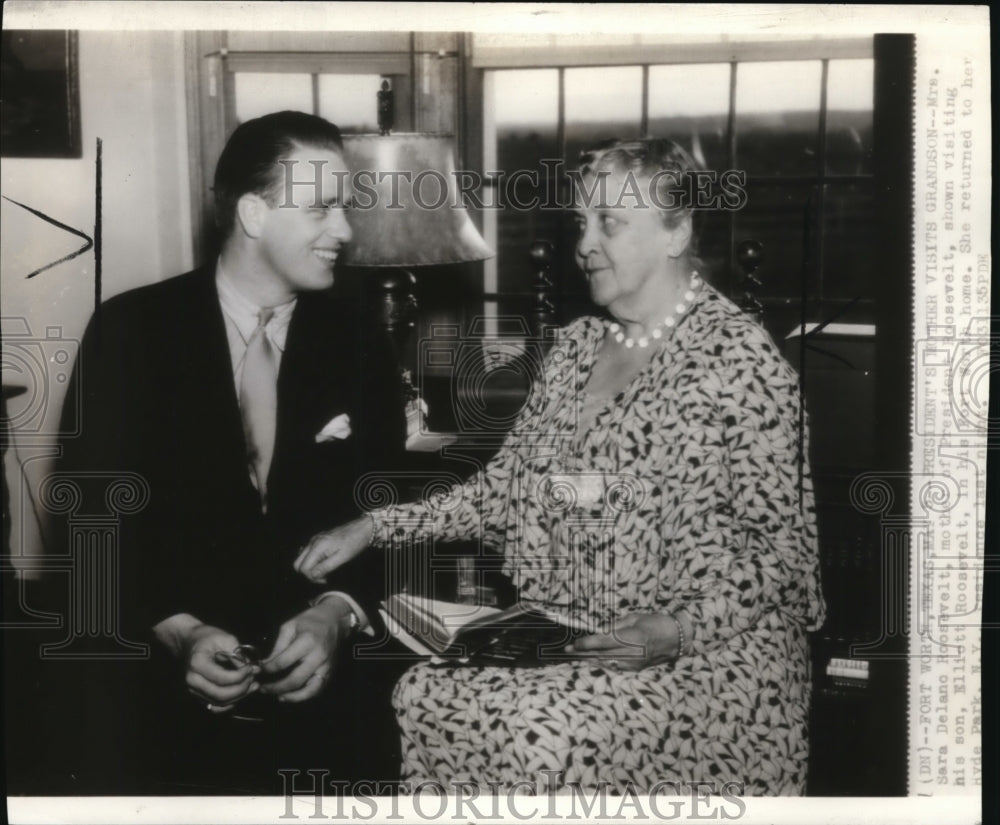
<point>132,728</point>
<point>348,733</point>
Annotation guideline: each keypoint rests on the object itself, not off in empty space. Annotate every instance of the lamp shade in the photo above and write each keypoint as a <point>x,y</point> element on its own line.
<point>407,208</point>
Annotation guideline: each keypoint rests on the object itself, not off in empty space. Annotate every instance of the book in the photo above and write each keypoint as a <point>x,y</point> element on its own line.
<point>478,634</point>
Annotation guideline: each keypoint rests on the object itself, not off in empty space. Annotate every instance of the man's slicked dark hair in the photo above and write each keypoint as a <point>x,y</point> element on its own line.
<point>249,163</point>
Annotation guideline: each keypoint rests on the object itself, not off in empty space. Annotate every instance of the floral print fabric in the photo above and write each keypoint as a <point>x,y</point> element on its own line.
<point>689,491</point>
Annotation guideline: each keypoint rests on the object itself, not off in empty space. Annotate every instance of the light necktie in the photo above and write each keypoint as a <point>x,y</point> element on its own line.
<point>259,403</point>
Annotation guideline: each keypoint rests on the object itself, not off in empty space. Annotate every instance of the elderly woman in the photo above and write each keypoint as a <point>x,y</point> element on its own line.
<point>653,492</point>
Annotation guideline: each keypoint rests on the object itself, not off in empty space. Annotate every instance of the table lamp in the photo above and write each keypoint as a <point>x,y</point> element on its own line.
<point>407,213</point>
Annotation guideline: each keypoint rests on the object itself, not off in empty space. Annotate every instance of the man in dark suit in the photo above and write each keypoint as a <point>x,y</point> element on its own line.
<point>251,398</point>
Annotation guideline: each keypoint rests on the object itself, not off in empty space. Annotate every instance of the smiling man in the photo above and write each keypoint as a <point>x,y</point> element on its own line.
<point>250,397</point>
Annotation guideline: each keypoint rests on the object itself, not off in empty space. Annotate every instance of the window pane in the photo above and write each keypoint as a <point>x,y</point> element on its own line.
<point>775,216</point>
<point>517,230</point>
<point>601,103</point>
<point>690,105</point>
<point>849,103</point>
<point>711,228</point>
<point>525,111</point>
<point>258,93</point>
<point>777,117</point>
<point>848,241</point>
<point>350,101</point>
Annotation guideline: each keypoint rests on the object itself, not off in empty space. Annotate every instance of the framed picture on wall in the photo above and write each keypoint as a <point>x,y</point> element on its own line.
<point>40,116</point>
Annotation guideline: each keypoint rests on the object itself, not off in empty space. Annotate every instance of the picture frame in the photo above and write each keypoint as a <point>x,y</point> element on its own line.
<point>40,117</point>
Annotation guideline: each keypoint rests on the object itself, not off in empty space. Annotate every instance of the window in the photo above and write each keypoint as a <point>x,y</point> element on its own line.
<point>349,100</point>
<point>800,128</point>
<point>234,76</point>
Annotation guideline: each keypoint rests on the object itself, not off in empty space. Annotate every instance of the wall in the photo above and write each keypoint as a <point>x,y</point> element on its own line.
<point>132,97</point>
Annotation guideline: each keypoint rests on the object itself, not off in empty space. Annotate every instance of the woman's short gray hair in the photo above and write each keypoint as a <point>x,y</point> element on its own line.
<point>664,162</point>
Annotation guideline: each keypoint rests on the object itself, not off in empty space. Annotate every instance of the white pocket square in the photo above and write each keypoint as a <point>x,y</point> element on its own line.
<point>337,428</point>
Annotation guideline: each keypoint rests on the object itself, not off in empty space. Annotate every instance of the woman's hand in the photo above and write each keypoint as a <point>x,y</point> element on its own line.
<point>637,641</point>
<point>328,551</point>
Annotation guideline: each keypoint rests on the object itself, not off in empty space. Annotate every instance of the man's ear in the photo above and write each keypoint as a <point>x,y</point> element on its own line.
<point>251,211</point>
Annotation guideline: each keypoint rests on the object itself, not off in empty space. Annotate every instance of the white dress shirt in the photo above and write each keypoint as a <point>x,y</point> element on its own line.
<point>241,315</point>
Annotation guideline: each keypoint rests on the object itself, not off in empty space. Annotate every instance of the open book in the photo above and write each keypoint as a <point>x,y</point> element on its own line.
<point>454,632</point>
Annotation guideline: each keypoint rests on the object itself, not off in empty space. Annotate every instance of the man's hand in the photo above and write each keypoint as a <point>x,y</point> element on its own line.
<point>636,642</point>
<point>328,551</point>
<point>305,651</point>
<point>210,672</point>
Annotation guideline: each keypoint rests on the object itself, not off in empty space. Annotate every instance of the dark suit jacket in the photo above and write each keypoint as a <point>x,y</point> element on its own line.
<point>155,379</point>
<point>159,400</point>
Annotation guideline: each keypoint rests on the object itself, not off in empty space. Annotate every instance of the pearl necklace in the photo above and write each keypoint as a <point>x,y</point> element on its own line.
<point>670,321</point>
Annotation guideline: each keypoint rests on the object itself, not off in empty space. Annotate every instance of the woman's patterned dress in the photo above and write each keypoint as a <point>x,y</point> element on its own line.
<point>688,492</point>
